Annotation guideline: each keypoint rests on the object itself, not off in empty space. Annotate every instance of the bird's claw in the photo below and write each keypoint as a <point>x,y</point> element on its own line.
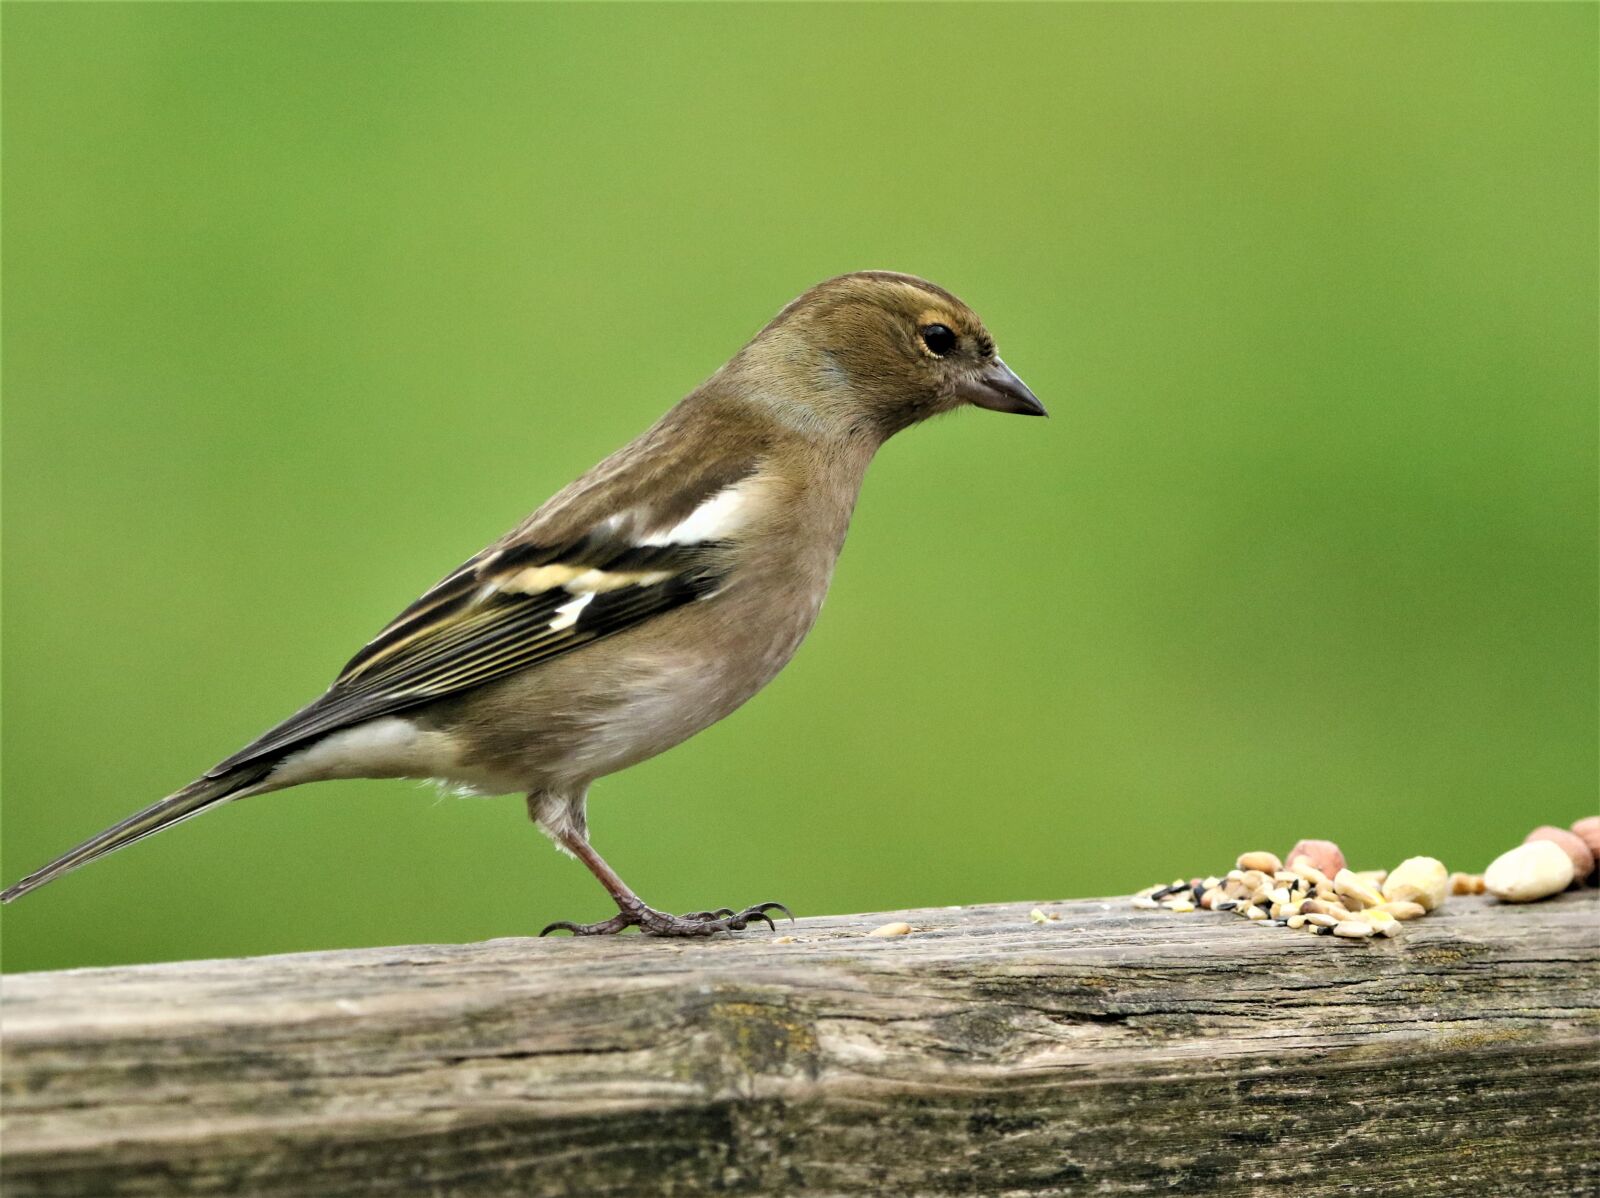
<point>605,927</point>
<point>719,913</point>
<point>651,922</point>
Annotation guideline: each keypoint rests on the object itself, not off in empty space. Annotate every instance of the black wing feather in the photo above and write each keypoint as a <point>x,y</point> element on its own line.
<point>456,636</point>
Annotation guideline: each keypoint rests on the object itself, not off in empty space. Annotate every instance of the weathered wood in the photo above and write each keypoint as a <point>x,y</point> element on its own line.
<point>1116,1052</point>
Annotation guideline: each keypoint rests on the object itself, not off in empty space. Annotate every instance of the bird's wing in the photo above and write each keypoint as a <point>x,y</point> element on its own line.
<point>564,579</point>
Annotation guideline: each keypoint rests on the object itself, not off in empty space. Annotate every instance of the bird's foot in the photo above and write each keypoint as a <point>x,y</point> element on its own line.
<point>651,922</point>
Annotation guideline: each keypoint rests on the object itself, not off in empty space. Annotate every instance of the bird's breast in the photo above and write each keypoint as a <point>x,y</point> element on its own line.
<point>628,697</point>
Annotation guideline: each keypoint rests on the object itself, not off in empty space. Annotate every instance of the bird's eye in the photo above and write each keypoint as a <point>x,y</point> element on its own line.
<point>938,338</point>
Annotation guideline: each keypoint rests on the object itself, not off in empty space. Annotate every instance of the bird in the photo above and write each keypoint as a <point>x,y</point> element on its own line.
<point>642,603</point>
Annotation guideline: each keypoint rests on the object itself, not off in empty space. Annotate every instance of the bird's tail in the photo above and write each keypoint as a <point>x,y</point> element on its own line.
<point>198,796</point>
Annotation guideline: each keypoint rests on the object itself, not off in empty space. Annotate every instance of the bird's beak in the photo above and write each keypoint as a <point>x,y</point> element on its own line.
<point>997,388</point>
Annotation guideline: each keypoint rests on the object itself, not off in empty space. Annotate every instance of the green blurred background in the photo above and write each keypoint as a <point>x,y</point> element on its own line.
<point>305,303</point>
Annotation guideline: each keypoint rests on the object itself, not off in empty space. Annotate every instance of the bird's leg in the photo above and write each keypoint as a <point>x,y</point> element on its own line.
<point>632,911</point>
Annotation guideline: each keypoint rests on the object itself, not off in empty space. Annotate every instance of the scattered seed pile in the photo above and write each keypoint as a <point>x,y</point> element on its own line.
<point>1317,893</point>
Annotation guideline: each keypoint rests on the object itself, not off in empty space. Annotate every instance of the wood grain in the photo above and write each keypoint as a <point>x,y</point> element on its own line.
<point>1115,1052</point>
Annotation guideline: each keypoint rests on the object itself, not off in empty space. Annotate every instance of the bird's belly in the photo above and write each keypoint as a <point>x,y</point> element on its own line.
<point>562,724</point>
<point>669,695</point>
<point>671,702</point>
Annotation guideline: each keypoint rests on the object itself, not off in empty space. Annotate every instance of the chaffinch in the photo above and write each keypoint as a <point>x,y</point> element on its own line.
<point>645,601</point>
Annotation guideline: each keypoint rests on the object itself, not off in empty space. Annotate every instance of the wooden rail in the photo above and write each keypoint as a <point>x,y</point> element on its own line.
<point>1114,1052</point>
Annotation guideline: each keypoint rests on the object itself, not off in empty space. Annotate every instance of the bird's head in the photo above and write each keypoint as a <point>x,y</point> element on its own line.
<point>877,352</point>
